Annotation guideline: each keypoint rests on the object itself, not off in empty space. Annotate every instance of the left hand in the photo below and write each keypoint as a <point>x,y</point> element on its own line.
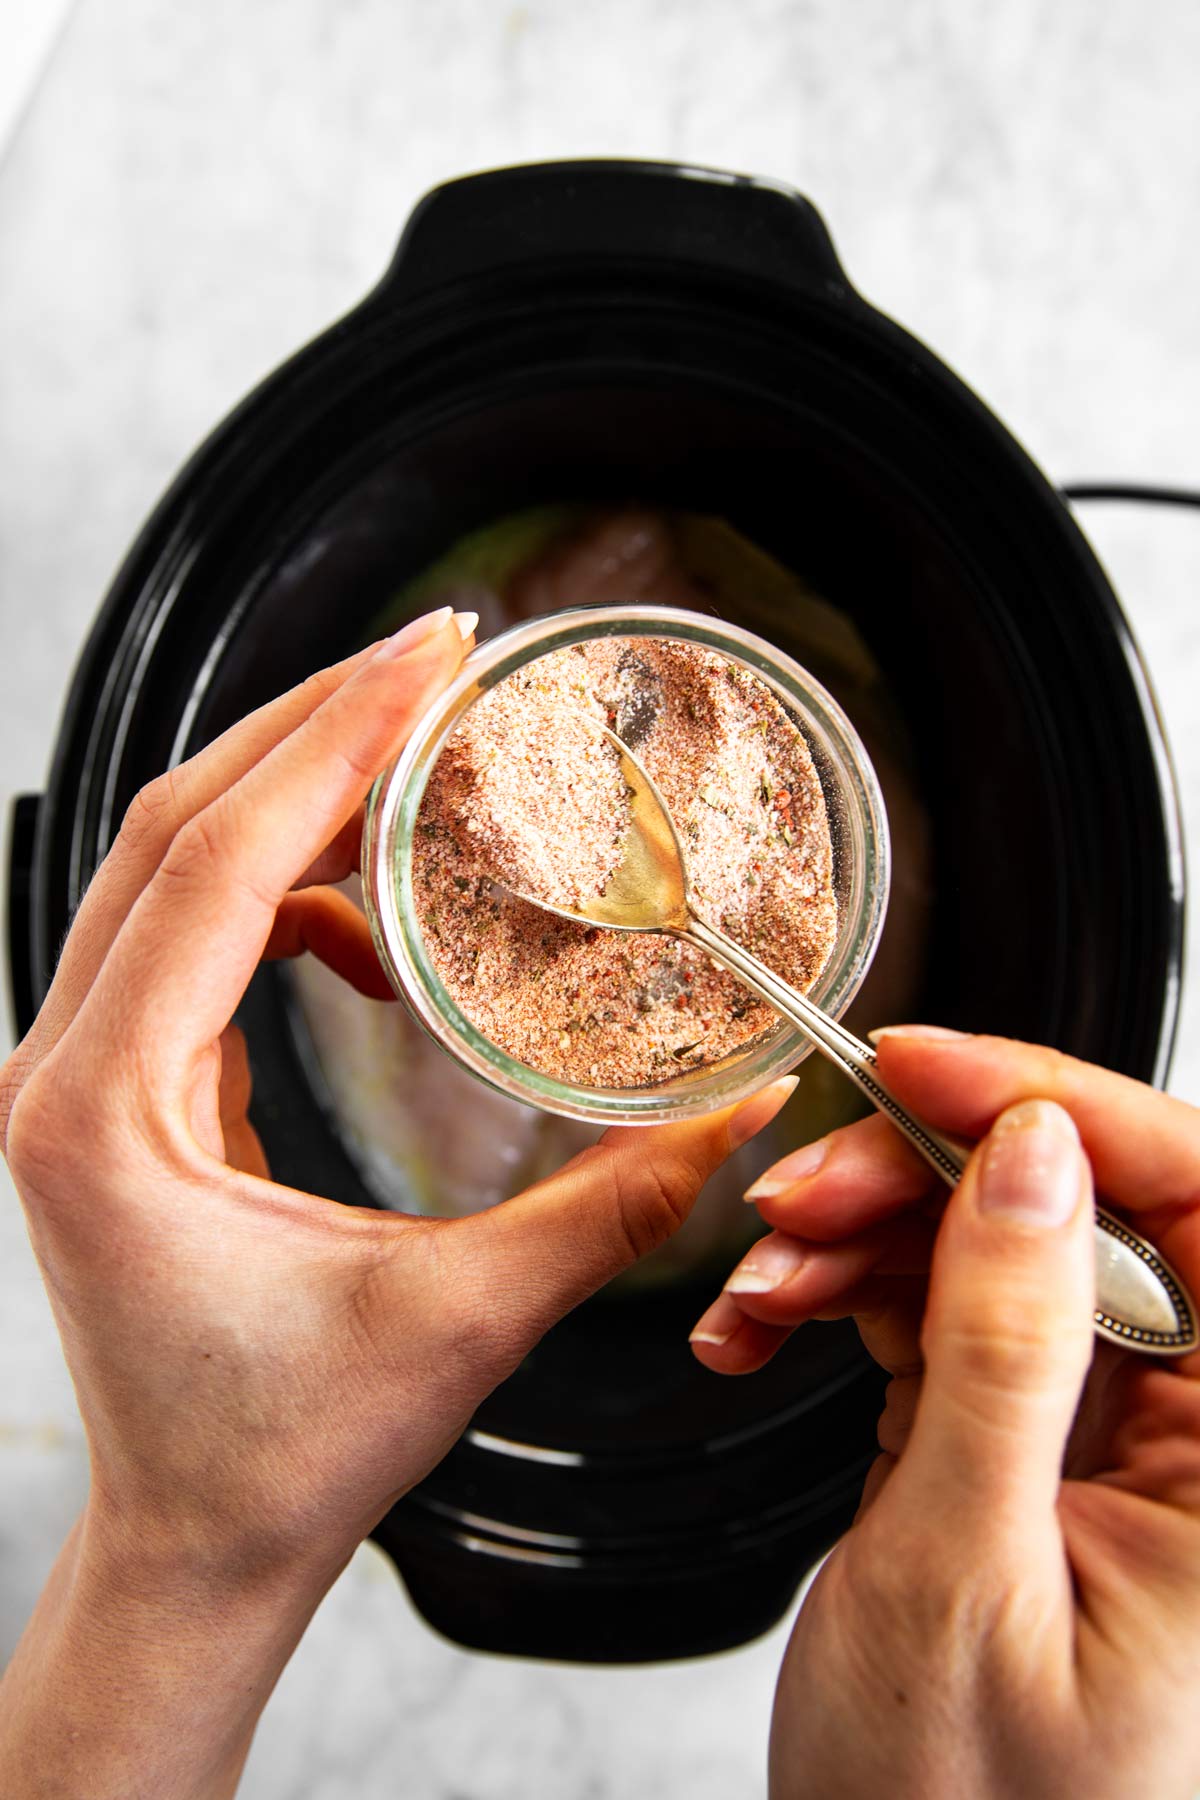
<point>261,1372</point>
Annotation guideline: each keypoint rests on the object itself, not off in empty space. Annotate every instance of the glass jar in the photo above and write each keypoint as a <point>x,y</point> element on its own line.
<point>858,830</point>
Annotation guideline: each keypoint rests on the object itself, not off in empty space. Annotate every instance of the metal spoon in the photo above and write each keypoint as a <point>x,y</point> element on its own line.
<point>1140,1301</point>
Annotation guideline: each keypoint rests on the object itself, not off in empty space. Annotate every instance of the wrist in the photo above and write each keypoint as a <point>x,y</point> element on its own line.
<point>143,1670</point>
<point>138,1557</point>
<point>245,1563</point>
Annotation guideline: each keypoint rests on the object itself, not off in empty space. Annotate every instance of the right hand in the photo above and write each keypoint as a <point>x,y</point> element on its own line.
<point>1016,1610</point>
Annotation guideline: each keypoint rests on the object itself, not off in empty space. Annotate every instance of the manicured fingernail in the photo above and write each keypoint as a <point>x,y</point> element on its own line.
<point>798,1165</point>
<point>1030,1167</point>
<point>757,1112</point>
<point>466,623</point>
<point>935,1033</point>
<point>717,1325</point>
<point>772,1261</point>
<point>415,632</point>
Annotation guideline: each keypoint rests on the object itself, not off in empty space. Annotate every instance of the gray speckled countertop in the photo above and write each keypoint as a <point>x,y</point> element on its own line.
<point>194,191</point>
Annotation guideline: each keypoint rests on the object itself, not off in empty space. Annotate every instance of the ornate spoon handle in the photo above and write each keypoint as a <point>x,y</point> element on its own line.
<point>1140,1301</point>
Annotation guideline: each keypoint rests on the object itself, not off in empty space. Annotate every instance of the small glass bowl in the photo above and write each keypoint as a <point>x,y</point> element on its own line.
<point>858,829</point>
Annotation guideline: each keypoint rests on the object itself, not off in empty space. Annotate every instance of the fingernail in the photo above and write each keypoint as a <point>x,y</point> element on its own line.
<point>414,633</point>
<point>466,622</point>
<point>798,1165</point>
<point>711,1326</point>
<point>772,1261</point>
<point>1030,1165</point>
<point>753,1114</point>
<point>935,1033</point>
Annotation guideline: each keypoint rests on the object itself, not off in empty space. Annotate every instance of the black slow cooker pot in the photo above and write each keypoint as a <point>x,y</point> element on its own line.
<point>605,331</point>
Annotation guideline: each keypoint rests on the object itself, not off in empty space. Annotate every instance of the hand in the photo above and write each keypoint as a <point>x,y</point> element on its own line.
<point>1016,1609</point>
<point>261,1372</point>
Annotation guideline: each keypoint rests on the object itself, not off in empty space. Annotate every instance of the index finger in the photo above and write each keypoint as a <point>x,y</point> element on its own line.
<point>1144,1146</point>
<point>156,813</point>
<point>191,942</point>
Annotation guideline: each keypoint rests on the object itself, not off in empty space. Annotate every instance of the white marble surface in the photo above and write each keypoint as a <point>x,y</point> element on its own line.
<point>30,31</point>
<point>196,190</point>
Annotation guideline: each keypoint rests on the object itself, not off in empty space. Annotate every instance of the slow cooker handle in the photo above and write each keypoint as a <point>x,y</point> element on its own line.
<point>628,213</point>
<point>22,832</point>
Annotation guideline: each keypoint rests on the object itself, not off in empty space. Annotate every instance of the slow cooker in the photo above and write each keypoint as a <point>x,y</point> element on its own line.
<point>600,332</point>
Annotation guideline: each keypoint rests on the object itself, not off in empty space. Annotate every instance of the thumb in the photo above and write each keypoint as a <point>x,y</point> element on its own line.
<point>543,1252</point>
<point>1008,1328</point>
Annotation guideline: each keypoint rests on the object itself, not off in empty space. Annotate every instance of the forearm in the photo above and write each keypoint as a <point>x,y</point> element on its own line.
<point>138,1678</point>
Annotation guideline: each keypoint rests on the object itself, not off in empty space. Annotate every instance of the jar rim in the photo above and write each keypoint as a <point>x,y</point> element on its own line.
<point>858,824</point>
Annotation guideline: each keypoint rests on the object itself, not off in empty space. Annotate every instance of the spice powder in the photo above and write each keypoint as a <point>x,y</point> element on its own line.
<point>526,796</point>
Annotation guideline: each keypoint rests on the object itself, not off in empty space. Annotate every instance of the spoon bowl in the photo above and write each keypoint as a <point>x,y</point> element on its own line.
<point>647,890</point>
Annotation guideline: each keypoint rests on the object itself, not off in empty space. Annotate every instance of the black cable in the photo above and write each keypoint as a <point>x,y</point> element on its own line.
<point>1130,490</point>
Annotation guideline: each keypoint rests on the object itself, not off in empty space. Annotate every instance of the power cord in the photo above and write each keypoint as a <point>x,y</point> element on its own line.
<point>1134,491</point>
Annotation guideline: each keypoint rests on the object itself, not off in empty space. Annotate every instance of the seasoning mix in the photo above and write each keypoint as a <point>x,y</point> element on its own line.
<point>524,796</point>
